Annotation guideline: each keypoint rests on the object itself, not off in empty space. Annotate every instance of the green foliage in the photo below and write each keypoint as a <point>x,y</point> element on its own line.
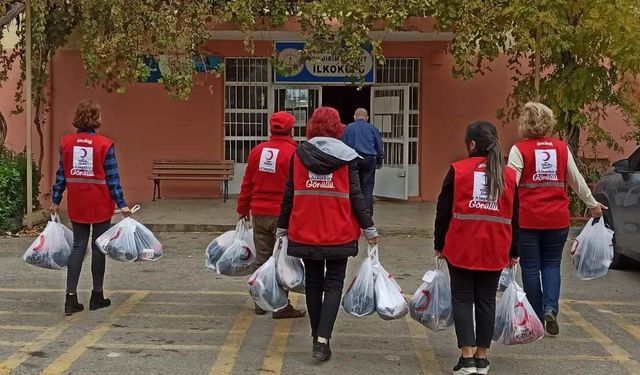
<point>588,54</point>
<point>13,176</point>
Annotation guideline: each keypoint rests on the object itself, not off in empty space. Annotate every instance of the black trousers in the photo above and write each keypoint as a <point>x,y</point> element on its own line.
<point>81,234</point>
<point>367,174</point>
<point>471,289</point>
<point>323,292</point>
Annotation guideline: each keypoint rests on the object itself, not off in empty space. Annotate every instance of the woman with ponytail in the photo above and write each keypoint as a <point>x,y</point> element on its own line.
<point>476,232</point>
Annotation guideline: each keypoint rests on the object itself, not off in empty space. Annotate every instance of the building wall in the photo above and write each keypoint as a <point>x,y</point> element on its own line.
<point>146,124</point>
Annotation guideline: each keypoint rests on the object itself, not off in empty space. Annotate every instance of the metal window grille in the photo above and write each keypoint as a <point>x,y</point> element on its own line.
<point>246,103</point>
<point>404,72</point>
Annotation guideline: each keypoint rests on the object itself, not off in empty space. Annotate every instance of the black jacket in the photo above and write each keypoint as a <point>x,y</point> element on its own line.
<point>321,162</point>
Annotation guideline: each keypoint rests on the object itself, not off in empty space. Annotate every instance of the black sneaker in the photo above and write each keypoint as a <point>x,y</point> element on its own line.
<point>482,366</point>
<point>71,304</point>
<point>321,351</point>
<point>465,366</point>
<point>551,324</point>
<point>98,301</point>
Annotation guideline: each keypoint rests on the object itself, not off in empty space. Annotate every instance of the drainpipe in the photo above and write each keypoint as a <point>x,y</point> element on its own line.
<point>28,105</point>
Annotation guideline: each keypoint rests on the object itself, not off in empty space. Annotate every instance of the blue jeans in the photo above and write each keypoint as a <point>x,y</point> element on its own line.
<point>540,258</point>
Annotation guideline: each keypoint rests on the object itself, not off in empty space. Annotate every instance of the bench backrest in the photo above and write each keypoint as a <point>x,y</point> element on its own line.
<point>193,167</point>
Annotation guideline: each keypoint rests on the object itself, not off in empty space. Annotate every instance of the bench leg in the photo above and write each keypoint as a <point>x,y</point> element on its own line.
<point>159,195</point>
<point>225,191</point>
<point>155,187</point>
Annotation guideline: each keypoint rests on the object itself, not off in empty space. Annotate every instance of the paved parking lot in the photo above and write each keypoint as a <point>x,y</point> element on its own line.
<point>176,317</point>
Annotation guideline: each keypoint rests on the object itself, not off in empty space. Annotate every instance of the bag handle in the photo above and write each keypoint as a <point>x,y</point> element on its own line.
<point>439,263</point>
<point>372,252</point>
<point>55,218</point>
<point>514,273</point>
<point>134,209</point>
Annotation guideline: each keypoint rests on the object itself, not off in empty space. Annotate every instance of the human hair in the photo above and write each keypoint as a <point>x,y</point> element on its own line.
<point>325,122</point>
<point>87,115</point>
<point>485,136</point>
<point>536,120</point>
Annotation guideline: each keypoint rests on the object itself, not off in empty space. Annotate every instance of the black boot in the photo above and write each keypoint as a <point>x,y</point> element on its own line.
<point>98,301</point>
<point>321,351</point>
<point>71,304</point>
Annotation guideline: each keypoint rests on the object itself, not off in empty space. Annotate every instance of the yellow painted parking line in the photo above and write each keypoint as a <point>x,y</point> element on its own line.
<point>229,353</point>
<point>22,328</point>
<point>630,328</point>
<point>66,360</point>
<point>274,357</point>
<point>616,351</point>
<point>423,348</point>
<point>154,346</point>
<point>358,351</point>
<point>189,303</point>
<point>40,342</point>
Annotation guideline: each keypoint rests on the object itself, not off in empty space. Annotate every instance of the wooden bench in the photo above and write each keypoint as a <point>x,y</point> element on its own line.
<point>192,170</point>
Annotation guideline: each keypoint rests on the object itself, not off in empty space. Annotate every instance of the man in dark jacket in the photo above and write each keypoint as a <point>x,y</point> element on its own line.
<point>366,140</point>
<point>261,193</point>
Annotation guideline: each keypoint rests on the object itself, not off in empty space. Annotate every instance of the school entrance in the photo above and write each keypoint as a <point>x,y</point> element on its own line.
<point>253,93</point>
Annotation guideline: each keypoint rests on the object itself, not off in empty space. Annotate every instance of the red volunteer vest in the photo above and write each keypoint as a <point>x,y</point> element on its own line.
<point>479,236</point>
<point>544,203</point>
<point>89,199</point>
<point>321,208</point>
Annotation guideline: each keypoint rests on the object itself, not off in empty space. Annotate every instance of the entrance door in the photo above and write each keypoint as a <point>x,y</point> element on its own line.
<point>390,114</point>
<point>300,102</point>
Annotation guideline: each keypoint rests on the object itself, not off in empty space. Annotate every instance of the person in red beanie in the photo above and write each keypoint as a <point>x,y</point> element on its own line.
<point>262,191</point>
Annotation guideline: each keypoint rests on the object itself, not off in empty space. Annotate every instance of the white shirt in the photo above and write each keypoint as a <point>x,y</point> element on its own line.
<point>574,178</point>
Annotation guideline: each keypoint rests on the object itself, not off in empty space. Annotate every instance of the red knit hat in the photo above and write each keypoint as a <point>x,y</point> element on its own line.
<point>281,123</point>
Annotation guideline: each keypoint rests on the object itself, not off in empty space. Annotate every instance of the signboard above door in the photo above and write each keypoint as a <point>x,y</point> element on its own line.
<point>328,70</point>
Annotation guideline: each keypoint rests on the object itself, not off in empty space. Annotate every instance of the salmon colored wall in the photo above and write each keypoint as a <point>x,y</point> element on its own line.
<point>448,105</point>
<point>146,124</point>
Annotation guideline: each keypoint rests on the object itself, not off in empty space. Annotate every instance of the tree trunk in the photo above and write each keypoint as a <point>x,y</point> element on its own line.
<point>37,119</point>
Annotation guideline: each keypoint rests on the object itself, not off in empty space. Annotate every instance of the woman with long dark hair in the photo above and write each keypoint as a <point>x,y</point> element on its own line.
<point>476,232</point>
<point>324,214</point>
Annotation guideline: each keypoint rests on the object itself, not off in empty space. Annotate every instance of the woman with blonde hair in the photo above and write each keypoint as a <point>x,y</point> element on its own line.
<point>544,167</point>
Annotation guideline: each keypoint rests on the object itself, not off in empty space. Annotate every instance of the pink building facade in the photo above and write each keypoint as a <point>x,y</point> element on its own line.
<point>413,99</point>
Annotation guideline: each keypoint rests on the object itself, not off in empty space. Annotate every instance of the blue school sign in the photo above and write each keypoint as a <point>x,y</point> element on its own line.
<point>327,70</point>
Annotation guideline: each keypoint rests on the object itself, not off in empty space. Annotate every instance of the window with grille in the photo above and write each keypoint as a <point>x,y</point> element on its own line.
<point>246,105</point>
<point>403,72</point>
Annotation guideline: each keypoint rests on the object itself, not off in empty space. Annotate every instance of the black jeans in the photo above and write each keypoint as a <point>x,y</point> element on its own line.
<point>474,288</point>
<point>367,173</point>
<point>80,241</point>
<point>323,292</point>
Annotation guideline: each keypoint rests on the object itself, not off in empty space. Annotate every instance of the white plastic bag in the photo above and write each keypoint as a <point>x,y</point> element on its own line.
<point>264,288</point>
<point>359,300</point>
<point>390,302</point>
<point>52,248</point>
<point>592,251</point>
<point>238,258</point>
<point>129,241</point>
<point>217,247</point>
<point>505,279</point>
<point>431,305</point>
<point>290,270</point>
<point>516,322</point>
